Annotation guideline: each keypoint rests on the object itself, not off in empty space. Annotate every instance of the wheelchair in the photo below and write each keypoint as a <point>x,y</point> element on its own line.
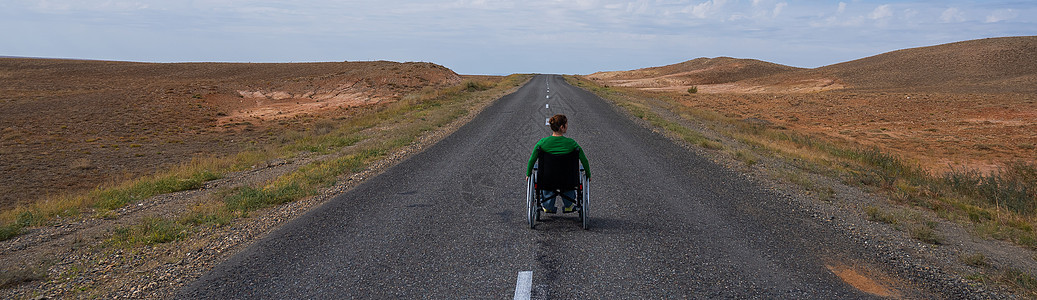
<point>558,173</point>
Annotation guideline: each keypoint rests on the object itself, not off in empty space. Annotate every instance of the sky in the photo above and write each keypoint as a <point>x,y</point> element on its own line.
<point>499,36</point>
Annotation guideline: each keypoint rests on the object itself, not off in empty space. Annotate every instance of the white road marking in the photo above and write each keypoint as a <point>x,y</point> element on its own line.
<point>547,121</point>
<point>547,105</point>
<point>524,285</point>
<point>548,96</point>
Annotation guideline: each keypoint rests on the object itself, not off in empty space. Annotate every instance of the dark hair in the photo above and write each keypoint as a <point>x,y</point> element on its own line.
<point>557,121</point>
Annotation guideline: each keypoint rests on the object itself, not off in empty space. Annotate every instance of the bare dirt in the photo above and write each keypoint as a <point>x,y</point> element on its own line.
<point>970,104</point>
<point>69,125</point>
<point>867,284</point>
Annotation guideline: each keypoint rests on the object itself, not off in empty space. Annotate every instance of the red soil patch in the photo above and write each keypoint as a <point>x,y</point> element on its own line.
<point>858,280</point>
<point>939,131</point>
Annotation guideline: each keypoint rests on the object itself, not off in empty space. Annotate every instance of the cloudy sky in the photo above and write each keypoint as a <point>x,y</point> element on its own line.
<point>499,36</point>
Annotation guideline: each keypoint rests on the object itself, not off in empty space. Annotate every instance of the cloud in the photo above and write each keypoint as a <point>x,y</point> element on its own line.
<point>910,14</point>
<point>952,15</point>
<point>706,9</point>
<point>63,6</point>
<point>1002,15</point>
<point>881,12</point>
<point>842,8</point>
<point>778,7</point>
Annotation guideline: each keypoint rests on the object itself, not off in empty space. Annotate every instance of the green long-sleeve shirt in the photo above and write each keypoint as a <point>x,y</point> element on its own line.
<point>557,145</point>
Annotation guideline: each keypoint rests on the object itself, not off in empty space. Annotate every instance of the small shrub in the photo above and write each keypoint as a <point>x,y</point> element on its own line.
<point>693,90</point>
<point>475,86</point>
<point>30,218</point>
<point>1014,187</point>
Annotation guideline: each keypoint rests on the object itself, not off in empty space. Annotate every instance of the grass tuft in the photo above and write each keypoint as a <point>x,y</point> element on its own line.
<point>926,233</point>
<point>149,231</point>
<point>976,260</point>
<point>9,231</point>
<point>877,215</point>
<point>209,214</point>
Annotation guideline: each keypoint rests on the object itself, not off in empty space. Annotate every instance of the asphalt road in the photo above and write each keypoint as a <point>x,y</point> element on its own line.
<point>450,223</point>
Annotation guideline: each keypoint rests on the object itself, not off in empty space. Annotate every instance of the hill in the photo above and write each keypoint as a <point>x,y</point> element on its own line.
<point>994,65</point>
<point>68,125</point>
<point>696,72</point>
<point>987,65</point>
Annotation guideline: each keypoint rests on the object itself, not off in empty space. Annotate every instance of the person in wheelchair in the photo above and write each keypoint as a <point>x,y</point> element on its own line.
<point>554,174</point>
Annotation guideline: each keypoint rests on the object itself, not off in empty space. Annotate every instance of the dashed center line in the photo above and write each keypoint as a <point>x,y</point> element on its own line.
<point>524,285</point>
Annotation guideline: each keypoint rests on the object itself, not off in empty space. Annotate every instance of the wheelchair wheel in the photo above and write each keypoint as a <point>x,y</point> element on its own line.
<point>531,213</point>
<point>585,202</point>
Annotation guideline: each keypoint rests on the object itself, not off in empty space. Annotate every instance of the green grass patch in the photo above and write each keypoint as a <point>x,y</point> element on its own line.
<point>9,231</point>
<point>209,216</point>
<point>114,198</point>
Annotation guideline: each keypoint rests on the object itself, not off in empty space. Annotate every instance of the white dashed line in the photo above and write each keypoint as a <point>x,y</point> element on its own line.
<point>547,121</point>
<point>524,285</point>
<point>548,96</point>
<point>547,105</point>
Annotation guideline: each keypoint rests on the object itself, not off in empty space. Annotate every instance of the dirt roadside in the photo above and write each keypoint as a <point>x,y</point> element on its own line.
<point>70,259</point>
